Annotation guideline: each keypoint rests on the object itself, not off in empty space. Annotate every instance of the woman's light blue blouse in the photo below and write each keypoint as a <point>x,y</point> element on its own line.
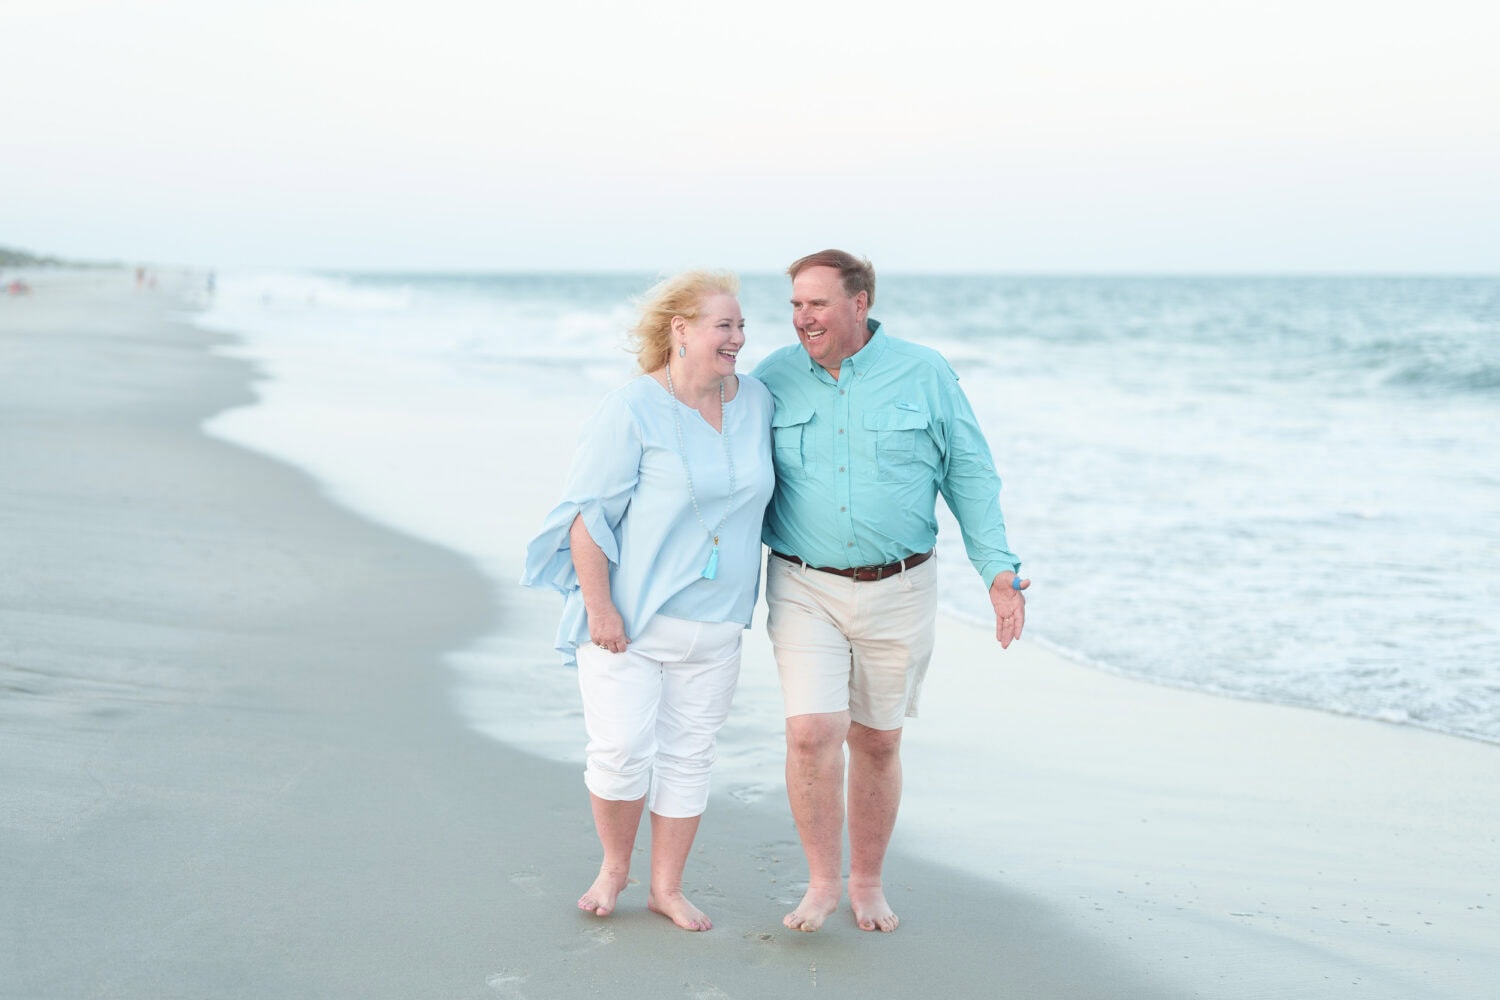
<point>629,486</point>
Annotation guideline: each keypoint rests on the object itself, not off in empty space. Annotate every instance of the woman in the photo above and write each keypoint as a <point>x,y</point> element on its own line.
<point>656,547</point>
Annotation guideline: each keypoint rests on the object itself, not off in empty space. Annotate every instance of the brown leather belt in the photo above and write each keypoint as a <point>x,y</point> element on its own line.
<point>865,573</point>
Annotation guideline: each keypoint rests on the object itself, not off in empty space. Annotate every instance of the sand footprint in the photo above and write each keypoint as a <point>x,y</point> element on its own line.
<point>751,794</point>
<point>788,895</point>
<point>762,948</point>
<point>528,882</point>
<point>777,852</point>
<point>594,937</point>
<point>507,983</point>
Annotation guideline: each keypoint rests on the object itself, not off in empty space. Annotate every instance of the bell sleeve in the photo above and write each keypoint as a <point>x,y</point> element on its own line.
<point>603,477</point>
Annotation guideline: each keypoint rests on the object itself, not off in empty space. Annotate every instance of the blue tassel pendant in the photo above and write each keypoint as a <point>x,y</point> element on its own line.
<point>711,571</point>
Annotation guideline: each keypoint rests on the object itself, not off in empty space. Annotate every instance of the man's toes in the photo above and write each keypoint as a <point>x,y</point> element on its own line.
<point>797,922</point>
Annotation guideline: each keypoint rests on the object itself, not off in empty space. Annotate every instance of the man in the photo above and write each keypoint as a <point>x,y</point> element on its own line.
<point>868,430</point>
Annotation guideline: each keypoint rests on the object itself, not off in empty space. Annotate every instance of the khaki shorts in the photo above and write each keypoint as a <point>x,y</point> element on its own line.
<point>842,644</point>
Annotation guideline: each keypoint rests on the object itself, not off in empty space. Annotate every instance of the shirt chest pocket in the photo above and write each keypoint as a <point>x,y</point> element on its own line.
<point>791,438</point>
<point>904,446</point>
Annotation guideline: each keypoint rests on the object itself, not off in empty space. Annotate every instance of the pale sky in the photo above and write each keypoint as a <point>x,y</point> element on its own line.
<point>1062,136</point>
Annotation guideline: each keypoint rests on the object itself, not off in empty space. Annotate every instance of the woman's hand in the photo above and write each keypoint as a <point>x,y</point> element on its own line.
<point>607,629</point>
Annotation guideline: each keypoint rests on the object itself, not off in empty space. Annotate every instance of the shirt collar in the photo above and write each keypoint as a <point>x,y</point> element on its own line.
<point>865,358</point>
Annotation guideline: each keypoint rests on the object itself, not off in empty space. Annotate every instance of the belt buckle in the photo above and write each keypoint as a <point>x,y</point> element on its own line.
<point>869,574</point>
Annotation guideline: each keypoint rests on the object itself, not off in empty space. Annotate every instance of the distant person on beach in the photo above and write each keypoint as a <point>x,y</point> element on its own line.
<point>656,549</point>
<point>868,431</point>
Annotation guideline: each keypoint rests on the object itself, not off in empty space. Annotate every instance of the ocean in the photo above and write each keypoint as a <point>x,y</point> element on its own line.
<point>1282,489</point>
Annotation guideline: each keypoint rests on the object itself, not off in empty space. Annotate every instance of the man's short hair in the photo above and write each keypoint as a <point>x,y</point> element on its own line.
<point>855,273</point>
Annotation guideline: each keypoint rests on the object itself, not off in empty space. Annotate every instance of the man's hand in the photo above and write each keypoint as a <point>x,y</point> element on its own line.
<point>1010,607</point>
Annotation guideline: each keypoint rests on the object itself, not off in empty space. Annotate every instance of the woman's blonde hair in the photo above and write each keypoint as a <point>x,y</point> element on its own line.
<point>680,295</point>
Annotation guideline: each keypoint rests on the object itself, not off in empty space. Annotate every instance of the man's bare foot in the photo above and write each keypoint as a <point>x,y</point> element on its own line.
<point>602,894</point>
<point>818,902</point>
<point>676,908</point>
<point>871,911</point>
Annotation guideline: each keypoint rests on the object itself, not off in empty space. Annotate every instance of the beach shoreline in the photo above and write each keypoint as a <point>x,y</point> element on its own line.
<point>234,763</point>
<point>1140,426</point>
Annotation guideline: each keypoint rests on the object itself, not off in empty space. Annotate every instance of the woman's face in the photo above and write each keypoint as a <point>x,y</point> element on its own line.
<point>714,339</point>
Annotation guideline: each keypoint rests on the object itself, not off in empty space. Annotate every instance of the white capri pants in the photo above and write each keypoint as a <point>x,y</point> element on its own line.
<point>653,712</point>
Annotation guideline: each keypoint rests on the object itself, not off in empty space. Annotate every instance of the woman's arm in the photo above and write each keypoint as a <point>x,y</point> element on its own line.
<point>606,627</point>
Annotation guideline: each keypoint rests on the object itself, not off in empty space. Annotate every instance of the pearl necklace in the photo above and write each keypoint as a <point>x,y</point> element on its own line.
<point>711,570</point>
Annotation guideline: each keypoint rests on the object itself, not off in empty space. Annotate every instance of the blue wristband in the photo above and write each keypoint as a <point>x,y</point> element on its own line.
<point>1015,583</point>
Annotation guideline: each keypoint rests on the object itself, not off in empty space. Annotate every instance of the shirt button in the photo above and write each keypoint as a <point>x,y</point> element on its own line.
<point>843,510</point>
<point>841,430</point>
<point>851,545</point>
<point>841,392</point>
<point>841,468</point>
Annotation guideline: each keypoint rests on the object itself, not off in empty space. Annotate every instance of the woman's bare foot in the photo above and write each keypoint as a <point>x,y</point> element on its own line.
<point>871,911</point>
<point>600,898</point>
<point>676,908</point>
<point>817,904</point>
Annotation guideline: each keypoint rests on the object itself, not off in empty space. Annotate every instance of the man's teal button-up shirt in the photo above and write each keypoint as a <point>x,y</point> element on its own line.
<point>861,459</point>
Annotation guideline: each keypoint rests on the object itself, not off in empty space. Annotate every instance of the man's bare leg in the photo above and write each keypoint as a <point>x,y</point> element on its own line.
<point>671,840</point>
<point>815,788</point>
<point>616,823</point>
<point>874,798</point>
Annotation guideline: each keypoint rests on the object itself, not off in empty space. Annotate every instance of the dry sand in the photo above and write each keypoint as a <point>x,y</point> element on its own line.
<point>230,766</point>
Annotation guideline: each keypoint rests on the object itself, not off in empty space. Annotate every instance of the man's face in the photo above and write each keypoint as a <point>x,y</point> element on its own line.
<point>830,324</point>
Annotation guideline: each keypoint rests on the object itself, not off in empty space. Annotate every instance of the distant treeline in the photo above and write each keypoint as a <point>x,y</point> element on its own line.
<point>20,258</point>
